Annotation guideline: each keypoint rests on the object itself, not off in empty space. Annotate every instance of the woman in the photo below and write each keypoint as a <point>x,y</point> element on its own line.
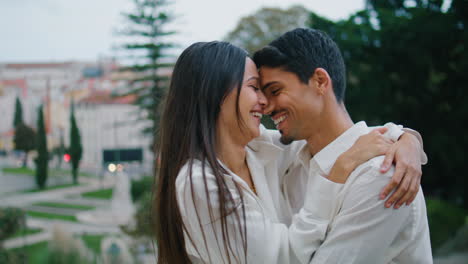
<point>218,197</point>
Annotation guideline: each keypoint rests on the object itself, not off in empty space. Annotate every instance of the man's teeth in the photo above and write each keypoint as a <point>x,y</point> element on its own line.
<point>279,120</point>
<point>256,114</point>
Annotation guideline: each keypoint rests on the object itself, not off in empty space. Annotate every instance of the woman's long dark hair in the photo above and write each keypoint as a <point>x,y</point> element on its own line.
<point>204,74</point>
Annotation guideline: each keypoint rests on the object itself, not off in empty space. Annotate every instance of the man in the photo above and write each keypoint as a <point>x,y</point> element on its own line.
<point>303,77</point>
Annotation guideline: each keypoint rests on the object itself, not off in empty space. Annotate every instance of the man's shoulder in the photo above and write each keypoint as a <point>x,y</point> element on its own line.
<point>369,171</point>
<point>372,166</point>
<point>362,189</point>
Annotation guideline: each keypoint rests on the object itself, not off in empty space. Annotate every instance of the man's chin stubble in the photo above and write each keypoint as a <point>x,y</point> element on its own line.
<point>285,139</point>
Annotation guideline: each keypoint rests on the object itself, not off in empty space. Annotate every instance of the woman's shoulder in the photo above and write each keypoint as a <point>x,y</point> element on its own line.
<point>195,180</point>
<point>194,169</point>
<point>195,174</point>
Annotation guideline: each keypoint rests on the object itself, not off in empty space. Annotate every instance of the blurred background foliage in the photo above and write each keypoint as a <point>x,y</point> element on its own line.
<point>12,220</point>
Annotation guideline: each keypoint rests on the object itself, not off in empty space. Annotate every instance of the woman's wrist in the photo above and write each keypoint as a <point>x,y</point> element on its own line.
<point>346,162</point>
<point>341,169</point>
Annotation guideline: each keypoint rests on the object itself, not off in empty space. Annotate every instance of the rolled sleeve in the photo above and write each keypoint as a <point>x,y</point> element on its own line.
<point>418,136</point>
<point>394,132</point>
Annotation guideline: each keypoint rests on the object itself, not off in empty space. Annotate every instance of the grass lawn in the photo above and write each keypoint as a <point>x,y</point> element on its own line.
<point>63,205</point>
<point>48,188</point>
<point>99,194</point>
<point>52,172</point>
<point>25,232</point>
<point>93,242</point>
<point>51,216</point>
<point>36,253</point>
<point>26,171</point>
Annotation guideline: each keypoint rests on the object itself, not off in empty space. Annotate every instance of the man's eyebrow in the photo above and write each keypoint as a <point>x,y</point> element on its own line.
<point>266,86</point>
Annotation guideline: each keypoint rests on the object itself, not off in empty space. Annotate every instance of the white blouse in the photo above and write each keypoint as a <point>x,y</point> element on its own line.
<point>268,238</point>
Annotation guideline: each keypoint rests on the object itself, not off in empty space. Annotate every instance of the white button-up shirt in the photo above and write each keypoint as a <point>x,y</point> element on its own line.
<point>279,229</point>
<point>293,163</point>
<point>359,228</point>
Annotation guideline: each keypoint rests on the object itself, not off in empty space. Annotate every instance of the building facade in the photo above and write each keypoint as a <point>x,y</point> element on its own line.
<point>105,122</point>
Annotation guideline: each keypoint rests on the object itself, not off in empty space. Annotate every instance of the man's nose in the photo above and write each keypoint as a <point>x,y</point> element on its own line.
<point>268,107</point>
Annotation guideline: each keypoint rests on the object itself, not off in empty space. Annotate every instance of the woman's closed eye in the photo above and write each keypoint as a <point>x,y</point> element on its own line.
<point>255,87</point>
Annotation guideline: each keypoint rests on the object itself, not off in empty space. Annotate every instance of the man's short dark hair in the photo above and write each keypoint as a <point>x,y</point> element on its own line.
<point>302,51</point>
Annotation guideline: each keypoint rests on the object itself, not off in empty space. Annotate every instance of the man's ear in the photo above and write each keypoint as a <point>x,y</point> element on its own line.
<point>321,81</point>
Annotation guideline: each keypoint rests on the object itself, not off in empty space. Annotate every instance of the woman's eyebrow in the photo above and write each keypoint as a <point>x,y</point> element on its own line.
<point>253,78</point>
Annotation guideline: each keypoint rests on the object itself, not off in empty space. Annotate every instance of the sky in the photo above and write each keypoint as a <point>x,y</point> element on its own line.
<point>63,30</point>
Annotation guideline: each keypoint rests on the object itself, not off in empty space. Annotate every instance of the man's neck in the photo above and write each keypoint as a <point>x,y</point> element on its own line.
<point>333,123</point>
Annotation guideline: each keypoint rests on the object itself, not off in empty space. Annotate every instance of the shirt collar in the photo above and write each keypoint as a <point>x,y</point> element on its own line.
<point>304,156</point>
<point>326,157</point>
<point>263,147</point>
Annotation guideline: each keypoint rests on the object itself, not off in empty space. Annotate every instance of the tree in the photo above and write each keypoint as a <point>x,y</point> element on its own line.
<point>147,38</point>
<point>406,63</point>
<point>24,140</point>
<point>59,151</point>
<point>18,118</point>
<point>42,158</point>
<point>427,76</point>
<point>257,30</point>
<point>24,135</point>
<point>76,150</point>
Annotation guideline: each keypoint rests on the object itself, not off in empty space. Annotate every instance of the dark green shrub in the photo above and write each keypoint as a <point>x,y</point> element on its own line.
<point>444,221</point>
<point>12,257</point>
<point>140,187</point>
<point>143,225</point>
<point>11,220</point>
<point>457,244</point>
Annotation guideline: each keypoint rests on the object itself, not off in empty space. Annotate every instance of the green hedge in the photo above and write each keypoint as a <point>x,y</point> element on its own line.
<point>143,226</point>
<point>105,194</point>
<point>11,257</point>
<point>444,221</point>
<point>140,187</point>
<point>52,216</point>
<point>11,221</point>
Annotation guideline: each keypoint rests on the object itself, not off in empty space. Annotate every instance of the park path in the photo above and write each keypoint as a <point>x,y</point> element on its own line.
<point>47,226</point>
<point>70,195</point>
<point>24,199</point>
